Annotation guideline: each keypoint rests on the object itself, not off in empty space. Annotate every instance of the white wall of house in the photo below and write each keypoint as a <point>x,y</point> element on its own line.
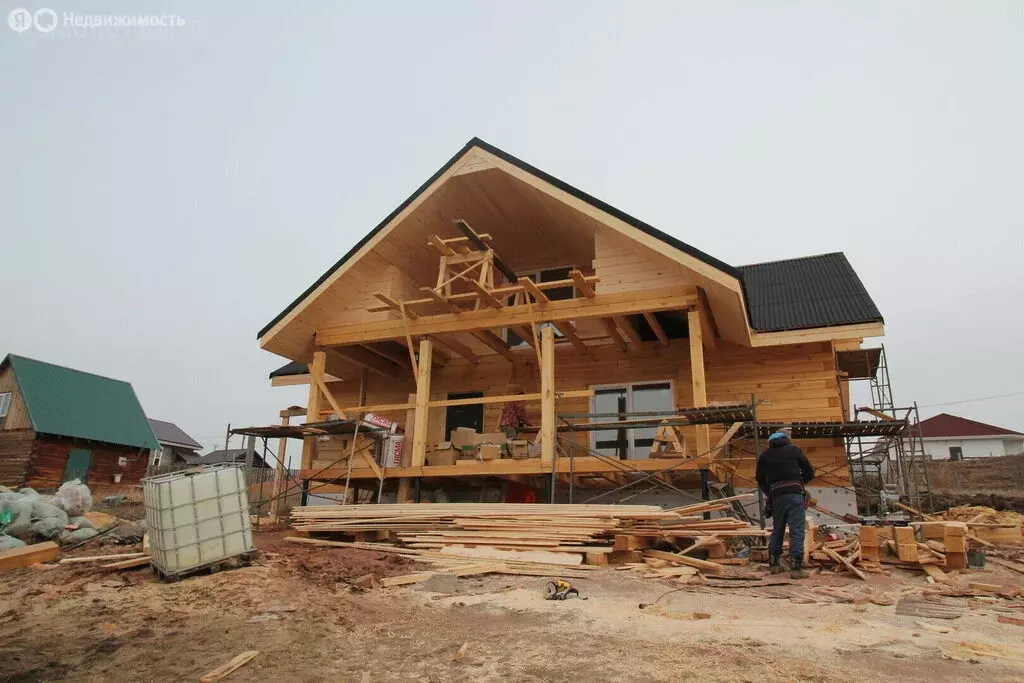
<point>974,446</point>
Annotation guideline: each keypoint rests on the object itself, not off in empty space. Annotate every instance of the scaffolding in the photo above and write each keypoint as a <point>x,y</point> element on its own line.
<point>895,459</point>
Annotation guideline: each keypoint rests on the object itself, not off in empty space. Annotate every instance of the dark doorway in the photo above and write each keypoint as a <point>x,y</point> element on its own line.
<point>464,416</point>
<point>956,453</point>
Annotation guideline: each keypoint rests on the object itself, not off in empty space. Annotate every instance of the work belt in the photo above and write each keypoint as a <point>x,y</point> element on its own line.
<point>782,484</point>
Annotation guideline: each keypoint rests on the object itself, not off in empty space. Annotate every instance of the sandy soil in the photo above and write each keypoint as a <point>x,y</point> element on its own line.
<point>297,607</point>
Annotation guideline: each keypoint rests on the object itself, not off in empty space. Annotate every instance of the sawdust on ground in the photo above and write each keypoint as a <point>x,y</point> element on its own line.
<point>296,606</point>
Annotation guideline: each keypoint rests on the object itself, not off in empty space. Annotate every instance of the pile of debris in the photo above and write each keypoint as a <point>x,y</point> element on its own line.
<point>987,524</point>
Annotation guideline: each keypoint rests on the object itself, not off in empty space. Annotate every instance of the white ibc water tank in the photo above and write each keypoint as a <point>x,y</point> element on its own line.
<point>197,517</point>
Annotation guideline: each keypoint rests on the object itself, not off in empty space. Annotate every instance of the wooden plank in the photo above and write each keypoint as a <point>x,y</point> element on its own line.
<point>393,305</point>
<point>659,332</point>
<point>684,560</point>
<point>628,330</point>
<point>494,341</point>
<point>128,564</point>
<point>316,370</point>
<point>491,553</point>
<point>845,562</point>
<point>531,288</point>
<point>1015,566</point>
<point>439,244</point>
<point>102,558</point>
<point>600,306</point>
<point>454,346</point>
<point>360,356</point>
<point>406,579</point>
<point>547,383</point>
<point>612,330</point>
<point>225,670</point>
<point>697,377</point>
<point>419,444</point>
<point>30,554</point>
<point>470,297</point>
<point>581,283</point>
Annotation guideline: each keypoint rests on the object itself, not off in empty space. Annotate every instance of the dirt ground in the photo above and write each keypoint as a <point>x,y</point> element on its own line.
<point>297,607</point>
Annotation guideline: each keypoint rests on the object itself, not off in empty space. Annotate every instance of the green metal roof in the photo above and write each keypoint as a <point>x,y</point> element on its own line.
<point>68,402</point>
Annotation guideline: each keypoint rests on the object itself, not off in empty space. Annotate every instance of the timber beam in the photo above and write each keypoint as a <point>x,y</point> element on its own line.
<point>597,306</point>
<point>361,357</point>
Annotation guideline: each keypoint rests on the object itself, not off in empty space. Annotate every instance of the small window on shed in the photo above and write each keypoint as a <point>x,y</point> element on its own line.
<point>5,403</point>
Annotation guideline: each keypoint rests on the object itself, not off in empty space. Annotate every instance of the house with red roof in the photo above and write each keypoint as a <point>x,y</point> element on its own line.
<point>950,437</point>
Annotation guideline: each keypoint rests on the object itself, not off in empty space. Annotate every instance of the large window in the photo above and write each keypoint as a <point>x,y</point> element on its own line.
<point>555,294</point>
<point>624,402</point>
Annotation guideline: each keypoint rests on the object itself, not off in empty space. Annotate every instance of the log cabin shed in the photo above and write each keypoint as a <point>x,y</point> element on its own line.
<point>58,424</point>
<point>494,280</point>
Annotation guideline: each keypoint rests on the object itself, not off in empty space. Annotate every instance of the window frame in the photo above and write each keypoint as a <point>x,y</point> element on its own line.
<point>629,386</point>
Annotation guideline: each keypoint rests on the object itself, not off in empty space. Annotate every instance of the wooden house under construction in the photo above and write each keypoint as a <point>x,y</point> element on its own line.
<point>638,357</point>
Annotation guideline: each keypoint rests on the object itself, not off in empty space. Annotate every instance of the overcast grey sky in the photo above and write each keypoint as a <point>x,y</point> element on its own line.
<point>165,193</point>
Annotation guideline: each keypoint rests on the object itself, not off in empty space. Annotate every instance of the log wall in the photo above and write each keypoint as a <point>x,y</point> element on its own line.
<point>50,456</point>
<point>15,452</point>
<point>798,382</point>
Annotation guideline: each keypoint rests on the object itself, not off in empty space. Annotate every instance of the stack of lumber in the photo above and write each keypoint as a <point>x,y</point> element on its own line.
<point>987,524</point>
<point>554,534</point>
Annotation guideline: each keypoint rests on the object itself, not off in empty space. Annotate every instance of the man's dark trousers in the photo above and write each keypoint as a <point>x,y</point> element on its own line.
<point>787,510</point>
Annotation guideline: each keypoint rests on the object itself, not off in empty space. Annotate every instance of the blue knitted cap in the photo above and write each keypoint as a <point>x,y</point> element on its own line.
<point>777,435</point>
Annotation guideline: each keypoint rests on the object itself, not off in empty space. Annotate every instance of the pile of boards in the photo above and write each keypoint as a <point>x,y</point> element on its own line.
<point>565,535</point>
<point>987,524</point>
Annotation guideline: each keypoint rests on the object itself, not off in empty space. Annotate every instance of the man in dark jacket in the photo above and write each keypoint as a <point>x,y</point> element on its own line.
<point>782,472</point>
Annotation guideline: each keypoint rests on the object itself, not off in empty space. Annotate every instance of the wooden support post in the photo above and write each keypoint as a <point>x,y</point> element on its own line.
<point>316,372</point>
<point>419,437</point>
<point>547,390</point>
<point>700,396</point>
<point>405,483</point>
<point>282,444</point>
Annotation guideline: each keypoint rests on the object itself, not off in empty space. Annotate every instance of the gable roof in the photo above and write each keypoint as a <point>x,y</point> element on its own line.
<point>946,425</point>
<point>812,291</point>
<point>797,312</point>
<point>170,433</point>
<point>67,402</point>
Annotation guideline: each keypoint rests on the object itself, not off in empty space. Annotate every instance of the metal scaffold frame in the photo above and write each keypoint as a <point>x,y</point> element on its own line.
<point>893,459</point>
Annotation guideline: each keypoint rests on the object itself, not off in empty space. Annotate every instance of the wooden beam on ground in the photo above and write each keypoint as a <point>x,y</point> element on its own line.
<point>419,446</point>
<point>659,331</point>
<point>316,371</point>
<point>698,381</point>
<point>547,390</point>
<point>29,554</point>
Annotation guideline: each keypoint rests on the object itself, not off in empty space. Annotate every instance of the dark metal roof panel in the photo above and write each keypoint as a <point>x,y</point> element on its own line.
<point>168,432</point>
<point>800,293</point>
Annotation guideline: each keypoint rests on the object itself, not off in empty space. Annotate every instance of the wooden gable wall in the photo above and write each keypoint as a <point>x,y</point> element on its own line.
<point>17,413</point>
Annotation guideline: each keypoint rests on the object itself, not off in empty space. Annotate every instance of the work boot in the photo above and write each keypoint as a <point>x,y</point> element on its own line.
<point>797,570</point>
<point>773,565</point>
